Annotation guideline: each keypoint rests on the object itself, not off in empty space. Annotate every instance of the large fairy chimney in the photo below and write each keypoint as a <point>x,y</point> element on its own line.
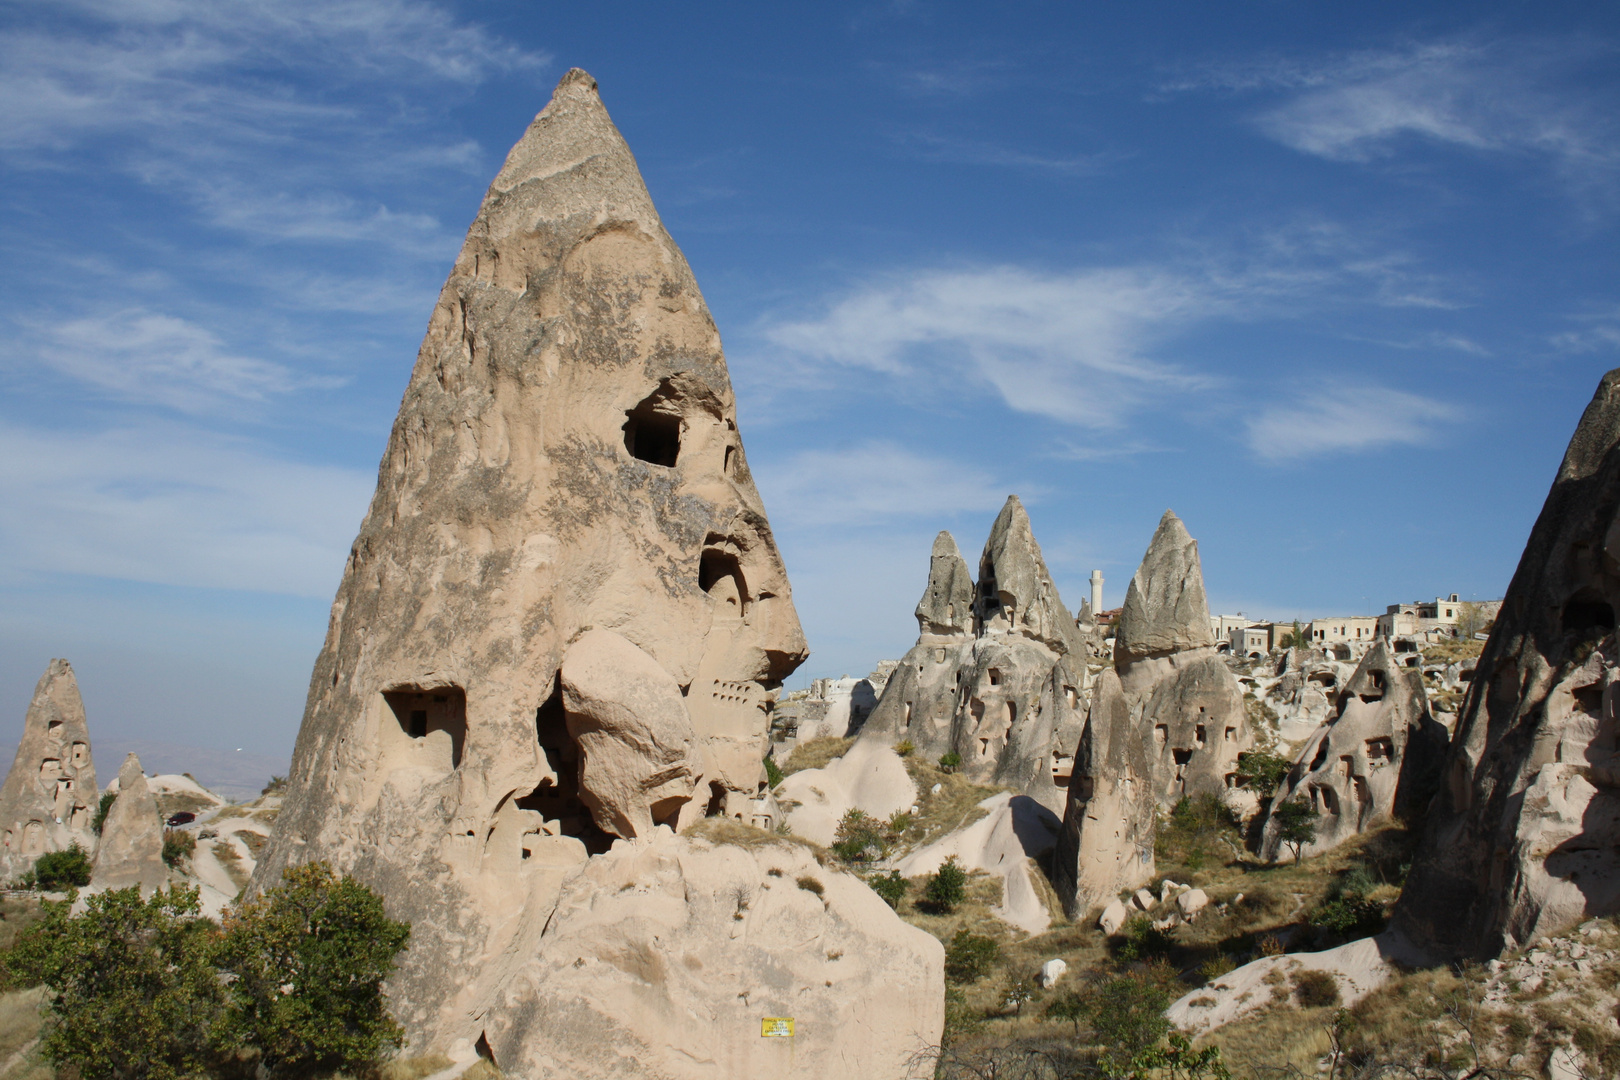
<point>564,618</point>
<point>50,795</point>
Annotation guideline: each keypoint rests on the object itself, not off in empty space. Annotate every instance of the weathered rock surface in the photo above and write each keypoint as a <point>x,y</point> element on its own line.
<point>1523,839</point>
<point>1165,610</point>
<point>1015,831</point>
<point>49,796</point>
<point>1376,760</point>
<point>871,778</point>
<point>664,956</point>
<point>1108,826</point>
<point>565,460</point>
<point>998,682</point>
<point>131,848</point>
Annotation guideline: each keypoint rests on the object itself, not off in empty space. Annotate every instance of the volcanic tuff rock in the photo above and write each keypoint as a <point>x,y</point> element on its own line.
<point>1165,610</point>
<point>563,512</point>
<point>1377,759</point>
<point>651,937</point>
<point>1523,839</point>
<point>131,848</point>
<point>48,797</point>
<point>1107,839</point>
<point>997,670</point>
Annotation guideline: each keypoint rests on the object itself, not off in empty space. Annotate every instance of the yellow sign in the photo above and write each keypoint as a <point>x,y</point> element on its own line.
<point>776,1027</point>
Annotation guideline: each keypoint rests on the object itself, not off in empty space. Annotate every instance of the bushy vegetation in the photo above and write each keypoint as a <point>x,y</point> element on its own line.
<point>1139,939</point>
<point>891,886</point>
<point>55,871</point>
<point>1196,831</point>
<point>947,888</point>
<point>178,845</point>
<point>276,786</point>
<point>969,956</point>
<point>949,761</point>
<point>859,837</point>
<point>773,773</point>
<point>1262,772</point>
<point>99,822</point>
<point>150,990</point>
<point>1296,824</point>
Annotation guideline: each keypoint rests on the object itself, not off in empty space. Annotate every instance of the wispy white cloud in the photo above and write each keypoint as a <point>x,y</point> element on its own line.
<point>1347,417</point>
<point>875,481</point>
<point>1067,346</point>
<point>148,357</point>
<point>168,504</point>
<point>959,151</point>
<point>1594,332</point>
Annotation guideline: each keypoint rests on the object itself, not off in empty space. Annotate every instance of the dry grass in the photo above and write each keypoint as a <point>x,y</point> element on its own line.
<point>1273,1039</point>
<point>1447,652</point>
<point>20,1019</point>
<point>816,753</point>
<point>16,915</point>
<point>178,801</point>
<point>254,841</point>
<point>955,807</point>
<point>482,1069</point>
<point>226,854</point>
<point>724,830</point>
<point>414,1068</point>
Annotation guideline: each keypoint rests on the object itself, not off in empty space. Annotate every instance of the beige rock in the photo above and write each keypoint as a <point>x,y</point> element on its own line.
<point>1114,916</point>
<point>1008,842</point>
<point>665,955</point>
<point>1052,971</point>
<point>1144,900</point>
<point>1165,610</point>
<point>626,713</point>
<point>131,848</point>
<point>49,796</point>
<point>871,777</point>
<point>566,459</point>
<point>1191,902</point>
<point>1377,759</point>
<point>1523,839</point>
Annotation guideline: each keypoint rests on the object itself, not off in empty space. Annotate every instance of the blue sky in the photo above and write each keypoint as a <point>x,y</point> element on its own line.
<point>1333,284</point>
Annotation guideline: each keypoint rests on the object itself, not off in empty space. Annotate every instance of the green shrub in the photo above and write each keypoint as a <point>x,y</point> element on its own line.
<point>328,939</point>
<point>1141,940</point>
<point>969,956</point>
<point>276,786</point>
<point>1296,824</point>
<point>1262,772</point>
<point>890,886</point>
<point>947,888</point>
<point>58,870</point>
<point>859,837</point>
<point>773,773</point>
<point>905,747</point>
<point>100,820</point>
<point>1127,1018</point>
<point>949,760</point>
<point>1193,827</point>
<point>132,990</point>
<point>1019,988</point>
<point>177,845</point>
<point>1315,989</point>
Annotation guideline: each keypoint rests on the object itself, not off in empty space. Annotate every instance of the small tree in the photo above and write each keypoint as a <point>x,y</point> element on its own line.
<point>309,958</point>
<point>1262,772</point>
<point>98,822</point>
<point>969,956</point>
<point>1296,824</point>
<point>1019,988</point>
<point>133,994</point>
<point>1070,1006</point>
<point>859,837</point>
<point>773,773</point>
<point>947,888</point>
<point>58,870</point>
<point>1127,1017</point>
<point>890,886</point>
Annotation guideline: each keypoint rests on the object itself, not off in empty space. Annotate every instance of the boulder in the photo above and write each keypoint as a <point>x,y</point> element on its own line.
<point>665,956</point>
<point>1114,916</point>
<point>1523,839</point>
<point>1051,972</point>
<point>998,669</point>
<point>49,797</point>
<point>1144,900</point>
<point>131,848</point>
<point>566,460</point>
<point>626,713</point>
<point>1107,841</point>
<point>1191,902</point>
<point>1377,759</point>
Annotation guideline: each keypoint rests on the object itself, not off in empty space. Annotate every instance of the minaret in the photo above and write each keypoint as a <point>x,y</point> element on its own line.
<point>1096,593</point>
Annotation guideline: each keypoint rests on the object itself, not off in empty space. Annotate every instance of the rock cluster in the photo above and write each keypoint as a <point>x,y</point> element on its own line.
<point>1377,759</point>
<point>998,670</point>
<point>1523,839</point>
<point>131,848</point>
<point>1168,722</point>
<point>49,796</point>
<point>564,618</point>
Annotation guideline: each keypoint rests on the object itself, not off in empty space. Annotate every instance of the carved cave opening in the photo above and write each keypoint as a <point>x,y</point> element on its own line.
<point>558,801</point>
<point>720,575</point>
<point>1587,611</point>
<point>652,433</point>
<point>422,713</point>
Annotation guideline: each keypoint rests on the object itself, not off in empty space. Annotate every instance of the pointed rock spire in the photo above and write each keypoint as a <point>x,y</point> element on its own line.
<point>1165,610</point>
<point>1015,589</point>
<point>49,797</point>
<point>946,607</point>
<point>131,849</point>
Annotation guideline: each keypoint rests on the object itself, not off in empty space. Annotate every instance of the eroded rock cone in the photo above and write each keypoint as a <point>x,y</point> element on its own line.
<point>564,617</point>
<point>1377,759</point>
<point>1523,839</point>
<point>1165,610</point>
<point>49,796</point>
<point>131,849</point>
<point>999,685</point>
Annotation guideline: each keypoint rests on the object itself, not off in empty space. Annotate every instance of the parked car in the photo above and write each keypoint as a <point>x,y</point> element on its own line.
<point>184,817</point>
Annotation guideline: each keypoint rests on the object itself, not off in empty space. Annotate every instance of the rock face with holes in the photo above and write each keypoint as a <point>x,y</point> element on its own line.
<point>50,796</point>
<point>564,617</point>
<point>664,958</point>
<point>1177,688</point>
<point>997,671</point>
<point>131,849</point>
<point>1523,839</point>
<point>1376,759</point>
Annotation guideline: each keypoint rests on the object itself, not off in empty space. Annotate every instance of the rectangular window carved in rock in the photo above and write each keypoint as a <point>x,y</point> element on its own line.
<point>436,719</point>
